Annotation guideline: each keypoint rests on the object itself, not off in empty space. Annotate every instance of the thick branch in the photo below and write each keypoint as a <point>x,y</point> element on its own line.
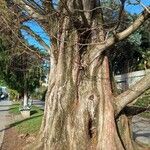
<point>20,40</point>
<point>37,13</point>
<point>82,13</point>
<point>37,37</point>
<point>134,92</point>
<point>48,6</point>
<point>120,36</point>
<point>33,11</point>
<point>35,6</point>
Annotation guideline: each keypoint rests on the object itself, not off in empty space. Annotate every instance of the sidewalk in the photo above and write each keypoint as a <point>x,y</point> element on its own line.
<point>140,126</point>
<point>141,130</point>
<point>4,117</point>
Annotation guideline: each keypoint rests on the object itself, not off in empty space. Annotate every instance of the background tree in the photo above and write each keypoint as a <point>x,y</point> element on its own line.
<point>131,54</point>
<point>21,71</point>
<point>20,64</point>
<point>81,111</point>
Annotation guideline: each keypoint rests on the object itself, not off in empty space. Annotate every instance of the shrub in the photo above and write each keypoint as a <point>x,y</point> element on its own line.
<point>13,95</point>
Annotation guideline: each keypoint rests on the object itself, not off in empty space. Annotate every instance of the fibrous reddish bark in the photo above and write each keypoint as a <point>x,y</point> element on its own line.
<point>81,111</point>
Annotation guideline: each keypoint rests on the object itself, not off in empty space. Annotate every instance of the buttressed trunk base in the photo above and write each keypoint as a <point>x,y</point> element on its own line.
<point>80,114</point>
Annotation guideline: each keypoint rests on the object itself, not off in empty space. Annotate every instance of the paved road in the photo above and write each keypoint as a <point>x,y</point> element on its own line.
<point>39,103</point>
<point>4,117</point>
<point>141,129</point>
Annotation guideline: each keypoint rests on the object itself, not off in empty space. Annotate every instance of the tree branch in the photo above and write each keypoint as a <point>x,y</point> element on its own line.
<point>120,36</point>
<point>37,37</point>
<point>132,93</point>
<point>32,10</point>
<point>84,19</point>
<point>147,9</point>
<point>35,6</point>
<point>48,6</point>
<point>28,49</point>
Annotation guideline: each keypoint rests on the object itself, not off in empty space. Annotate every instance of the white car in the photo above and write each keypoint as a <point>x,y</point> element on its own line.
<point>3,93</point>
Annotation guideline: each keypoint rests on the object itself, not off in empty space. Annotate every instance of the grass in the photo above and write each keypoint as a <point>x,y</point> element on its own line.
<point>30,125</point>
<point>144,101</point>
<point>145,115</point>
<point>14,109</point>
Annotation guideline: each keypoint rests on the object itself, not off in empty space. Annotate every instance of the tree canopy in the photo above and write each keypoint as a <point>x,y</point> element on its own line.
<point>20,68</point>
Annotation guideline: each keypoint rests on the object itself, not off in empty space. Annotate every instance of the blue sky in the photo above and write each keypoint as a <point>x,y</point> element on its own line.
<point>133,9</point>
<point>136,8</point>
<point>37,29</point>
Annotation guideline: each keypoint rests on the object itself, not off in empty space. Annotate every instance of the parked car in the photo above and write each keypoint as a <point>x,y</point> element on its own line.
<point>3,93</point>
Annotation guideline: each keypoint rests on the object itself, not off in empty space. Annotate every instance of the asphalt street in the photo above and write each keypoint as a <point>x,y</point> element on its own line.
<point>4,117</point>
<point>141,129</point>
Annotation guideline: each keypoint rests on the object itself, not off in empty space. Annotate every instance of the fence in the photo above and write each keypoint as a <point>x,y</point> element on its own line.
<point>124,81</point>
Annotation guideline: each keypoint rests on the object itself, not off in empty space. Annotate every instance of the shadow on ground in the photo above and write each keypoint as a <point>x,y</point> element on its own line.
<point>33,112</point>
<point>18,122</point>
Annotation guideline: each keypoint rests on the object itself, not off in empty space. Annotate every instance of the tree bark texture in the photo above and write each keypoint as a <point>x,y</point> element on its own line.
<point>81,111</point>
<point>25,99</point>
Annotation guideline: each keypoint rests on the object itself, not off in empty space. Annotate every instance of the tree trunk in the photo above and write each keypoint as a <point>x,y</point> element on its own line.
<point>25,99</point>
<point>124,129</point>
<point>125,132</point>
<point>79,112</point>
<point>80,107</point>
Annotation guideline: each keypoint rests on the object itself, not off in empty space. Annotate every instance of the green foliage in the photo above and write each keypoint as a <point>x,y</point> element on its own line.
<point>13,95</point>
<point>39,93</point>
<point>2,82</point>
<point>144,100</point>
<point>145,115</point>
<point>24,70</point>
<point>30,125</point>
<point>20,70</point>
<point>135,39</point>
<point>133,53</point>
